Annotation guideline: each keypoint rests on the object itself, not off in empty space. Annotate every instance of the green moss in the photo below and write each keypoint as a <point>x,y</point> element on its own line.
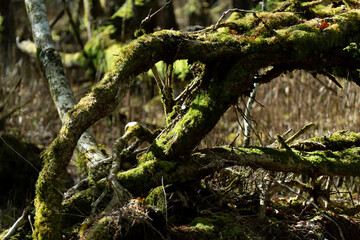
<point>149,174</point>
<point>337,141</point>
<point>22,233</point>
<point>263,23</point>
<point>323,11</point>
<point>227,226</point>
<point>81,163</point>
<point>198,112</point>
<point>281,155</point>
<point>74,59</point>
<point>347,161</point>
<point>341,162</point>
<point>156,198</point>
<point>103,229</point>
<point>305,37</point>
<point>79,205</point>
<point>103,149</point>
<point>205,229</point>
<point>136,177</point>
<point>49,188</point>
<point>3,233</point>
<point>202,114</point>
<point>205,226</point>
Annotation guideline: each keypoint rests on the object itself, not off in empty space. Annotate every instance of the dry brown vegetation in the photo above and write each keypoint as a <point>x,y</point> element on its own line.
<point>288,102</point>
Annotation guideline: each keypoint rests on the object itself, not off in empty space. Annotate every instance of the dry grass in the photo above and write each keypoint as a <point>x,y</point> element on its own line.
<point>288,102</point>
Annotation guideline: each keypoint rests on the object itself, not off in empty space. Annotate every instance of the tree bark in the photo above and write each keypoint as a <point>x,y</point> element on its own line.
<point>330,160</point>
<point>49,186</point>
<point>232,57</point>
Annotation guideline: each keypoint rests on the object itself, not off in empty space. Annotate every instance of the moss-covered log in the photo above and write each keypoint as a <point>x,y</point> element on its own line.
<point>233,53</point>
<point>149,175</point>
<point>327,161</point>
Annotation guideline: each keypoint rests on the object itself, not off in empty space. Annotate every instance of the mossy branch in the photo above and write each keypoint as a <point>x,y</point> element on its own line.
<point>148,175</point>
<point>234,60</point>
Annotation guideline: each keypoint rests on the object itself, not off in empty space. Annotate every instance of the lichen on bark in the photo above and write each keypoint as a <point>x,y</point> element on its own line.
<point>233,54</point>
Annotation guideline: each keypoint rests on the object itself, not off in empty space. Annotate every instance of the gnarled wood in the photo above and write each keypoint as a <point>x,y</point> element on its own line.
<point>233,53</point>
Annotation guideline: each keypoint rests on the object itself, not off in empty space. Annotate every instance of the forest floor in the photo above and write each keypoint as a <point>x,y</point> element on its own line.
<point>220,209</point>
<point>227,204</point>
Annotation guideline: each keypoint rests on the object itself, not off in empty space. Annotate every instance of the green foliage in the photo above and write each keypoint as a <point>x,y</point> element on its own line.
<point>193,6</point>
<point>102,47</point>
<point>126,10</point>
<point>181,69</point>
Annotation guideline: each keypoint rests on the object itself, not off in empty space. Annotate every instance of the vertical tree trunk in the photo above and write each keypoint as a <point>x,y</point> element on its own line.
<point>49,186</point>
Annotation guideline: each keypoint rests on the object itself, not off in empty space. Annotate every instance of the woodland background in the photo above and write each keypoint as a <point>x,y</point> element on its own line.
<point>27,112</point>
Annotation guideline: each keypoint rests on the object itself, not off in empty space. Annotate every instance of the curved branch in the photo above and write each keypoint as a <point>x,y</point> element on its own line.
<point>234,60</point>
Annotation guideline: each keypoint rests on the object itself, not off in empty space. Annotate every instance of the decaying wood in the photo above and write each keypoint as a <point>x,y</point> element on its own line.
<point>232,58</point>
<point>64,100</point>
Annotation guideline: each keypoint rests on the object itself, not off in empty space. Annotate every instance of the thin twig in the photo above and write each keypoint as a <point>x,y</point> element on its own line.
<point>57,18</point>
<point>282,143</point>
<point>98,200</point>
<point>30,222</point>
<point>157,77</point>
<point>331,77</point>
<point>165,201</point>
<point>148,17</point>
<point>17,153</point>
<point>326,86</point>
<point>232,10</point>
<point>298,133</point>
<point>189,88</point>
<point>247,120</point>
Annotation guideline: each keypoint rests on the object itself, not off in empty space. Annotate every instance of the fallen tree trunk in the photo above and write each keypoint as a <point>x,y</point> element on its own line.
<point>327,161</point>
<point>150,174</point>
<point>232,53</point>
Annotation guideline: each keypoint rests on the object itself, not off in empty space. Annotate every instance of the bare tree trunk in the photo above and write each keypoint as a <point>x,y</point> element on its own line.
<point>49,187</point>
<point>231,62</point>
